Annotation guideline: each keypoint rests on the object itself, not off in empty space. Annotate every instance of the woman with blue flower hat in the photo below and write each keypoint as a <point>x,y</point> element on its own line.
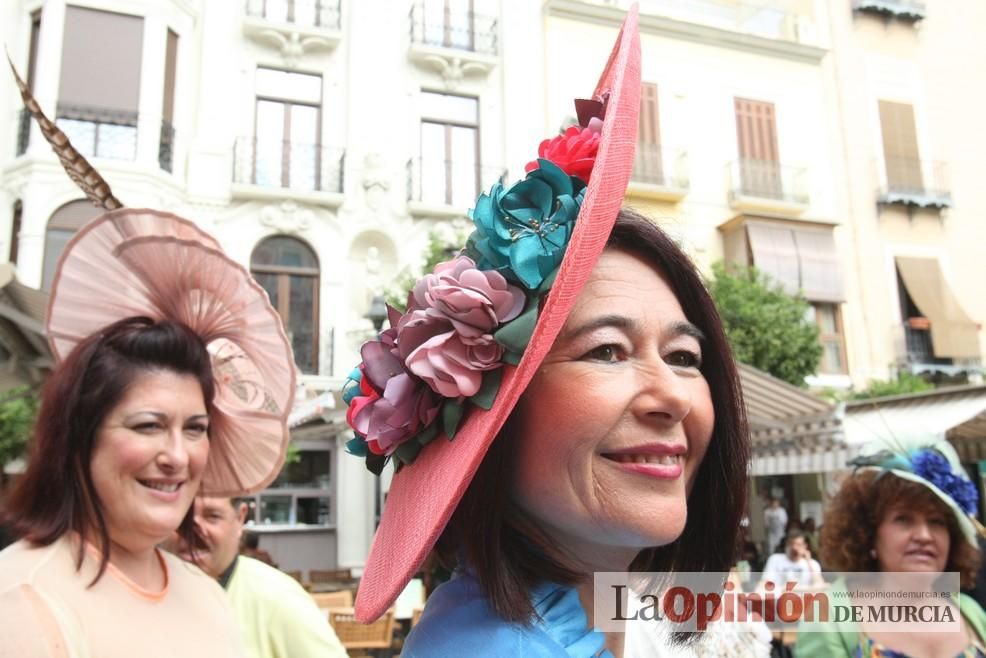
<point>909,508</point>
<point>557,400</point>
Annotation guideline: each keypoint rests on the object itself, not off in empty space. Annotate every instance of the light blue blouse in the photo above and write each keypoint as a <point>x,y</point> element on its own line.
<point>458,621</point>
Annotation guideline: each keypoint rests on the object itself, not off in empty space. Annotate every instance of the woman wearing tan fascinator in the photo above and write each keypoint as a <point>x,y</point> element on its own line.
<point>174,377</point>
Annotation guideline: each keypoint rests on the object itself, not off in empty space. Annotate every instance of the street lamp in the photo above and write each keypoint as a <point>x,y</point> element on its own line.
<point>378,312</point>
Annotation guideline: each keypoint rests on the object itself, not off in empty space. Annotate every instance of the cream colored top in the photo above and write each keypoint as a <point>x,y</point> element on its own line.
<point>47,610</point>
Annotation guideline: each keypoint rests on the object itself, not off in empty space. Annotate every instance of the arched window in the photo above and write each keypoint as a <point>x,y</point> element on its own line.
<point>62,225</point>
<point>288,270</point>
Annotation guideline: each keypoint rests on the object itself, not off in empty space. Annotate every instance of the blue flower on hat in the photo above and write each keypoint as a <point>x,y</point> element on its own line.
<point>522,230</point>
<point>936,469</point>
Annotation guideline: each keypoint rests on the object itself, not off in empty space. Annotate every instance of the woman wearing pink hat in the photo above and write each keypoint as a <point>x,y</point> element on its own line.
<point>558,400</point>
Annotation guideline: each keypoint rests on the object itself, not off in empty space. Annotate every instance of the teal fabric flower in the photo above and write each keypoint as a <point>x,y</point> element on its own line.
<point>522,231</point>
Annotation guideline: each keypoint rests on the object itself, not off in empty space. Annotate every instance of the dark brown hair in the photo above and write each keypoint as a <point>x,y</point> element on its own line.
<point>56,493</point>
<point>510,555</point>
<point>863,502</point>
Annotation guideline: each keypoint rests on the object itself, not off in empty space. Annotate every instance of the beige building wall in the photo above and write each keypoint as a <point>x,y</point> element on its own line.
<point>935,65</point>
<point>701,61</point>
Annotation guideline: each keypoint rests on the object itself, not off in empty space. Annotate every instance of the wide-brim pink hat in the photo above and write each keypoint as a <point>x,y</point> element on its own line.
<point>134,262</point>
<point>424,495</point>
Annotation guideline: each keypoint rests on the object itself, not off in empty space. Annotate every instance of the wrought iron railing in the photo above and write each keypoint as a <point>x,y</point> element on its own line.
<point>166,147</point>
<point>285,164</point>
<point>768,179</point>
<point>919,348</point>
<point>99,131</point>
<point>915,182</point>
<point>436,24</point>
<point>444,182</point>
<point>654,165</point>
<point>908,10</point>
<point>23,131</point>
<point>305,13</point>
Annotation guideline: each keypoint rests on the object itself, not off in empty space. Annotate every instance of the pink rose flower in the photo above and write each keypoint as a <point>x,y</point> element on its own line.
<point>446,337</point>
<point>436,353</point>
<point>474,301</point>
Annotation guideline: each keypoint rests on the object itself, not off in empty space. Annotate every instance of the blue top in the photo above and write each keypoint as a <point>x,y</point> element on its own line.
<point>459,621</point>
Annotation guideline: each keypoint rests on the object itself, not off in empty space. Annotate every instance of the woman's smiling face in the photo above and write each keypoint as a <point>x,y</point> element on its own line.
<point>614,425</point>
<point>149,457</point>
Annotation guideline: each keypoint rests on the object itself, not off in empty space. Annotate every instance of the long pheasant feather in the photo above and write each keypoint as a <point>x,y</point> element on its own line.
<point>75,165</point>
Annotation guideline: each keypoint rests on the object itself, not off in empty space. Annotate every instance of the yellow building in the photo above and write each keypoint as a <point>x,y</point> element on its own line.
<point>836,146</point>
<point>833,145</point>
<point>738,144</point>
<point>911,97</point>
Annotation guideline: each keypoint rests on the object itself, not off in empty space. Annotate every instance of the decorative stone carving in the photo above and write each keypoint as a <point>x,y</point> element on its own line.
<point>376,184</point>
<point>292,45</point>
<point>288,217</point>
<point>453,69</point>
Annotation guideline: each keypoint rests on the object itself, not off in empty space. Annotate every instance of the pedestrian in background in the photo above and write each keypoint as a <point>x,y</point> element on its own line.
<point>775,520</point>
<point>907,509</point>
<point>277,618</point>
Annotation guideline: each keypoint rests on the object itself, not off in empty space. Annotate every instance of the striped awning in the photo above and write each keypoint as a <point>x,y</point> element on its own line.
<point>25,357</point>
<point>791,430</point>
<point>957,414</point>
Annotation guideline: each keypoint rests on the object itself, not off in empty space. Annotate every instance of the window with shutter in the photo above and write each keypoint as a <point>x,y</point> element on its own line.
<point>649,165</point>
<point>900,148</point>
<point>756,136</point>
<point>828,317</point>
<point>99,88</point>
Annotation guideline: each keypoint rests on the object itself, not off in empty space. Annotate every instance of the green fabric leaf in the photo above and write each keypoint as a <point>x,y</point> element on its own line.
<point>516,334</point>
<point>451,415</point>
<point>547,283</point>
<point>375,463</point>
<point>407,451</point>
<point>425,436</point>
<point>512,358</point>
<point>487,391</point>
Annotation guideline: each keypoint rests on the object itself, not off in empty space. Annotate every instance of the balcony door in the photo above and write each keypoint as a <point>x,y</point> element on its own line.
<point>449,23</point>
<point>756,137</point>
<point>287,137</point>
<point>450,171</point>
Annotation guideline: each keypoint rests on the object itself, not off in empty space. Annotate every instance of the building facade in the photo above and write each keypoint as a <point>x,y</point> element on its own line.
<point>320,141</point>
<point>832,144</point>
<point>908,89</point>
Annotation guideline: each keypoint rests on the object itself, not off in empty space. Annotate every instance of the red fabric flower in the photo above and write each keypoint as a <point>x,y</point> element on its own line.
<point>574,151</point>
